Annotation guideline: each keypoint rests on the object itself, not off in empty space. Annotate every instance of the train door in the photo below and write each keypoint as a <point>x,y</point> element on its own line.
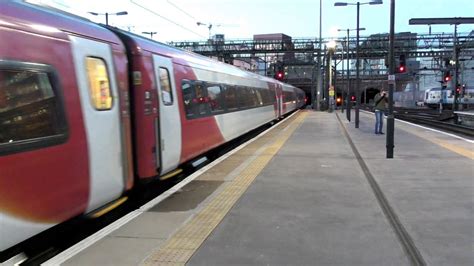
<point>101,113</point>
<point>169,119</point>
<point>279,92</point>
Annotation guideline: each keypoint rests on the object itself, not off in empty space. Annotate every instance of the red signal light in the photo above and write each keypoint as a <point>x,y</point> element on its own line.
<point>353,98</point>
<point>279,75</point>
<point>401,69</point>
<point>338,100</point>
<point>447,76</point>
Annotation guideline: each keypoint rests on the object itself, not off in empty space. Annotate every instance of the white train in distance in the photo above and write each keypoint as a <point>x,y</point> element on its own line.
<point>435,96</point>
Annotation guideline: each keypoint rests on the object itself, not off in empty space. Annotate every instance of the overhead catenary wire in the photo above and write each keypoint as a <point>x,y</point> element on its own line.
<point>167,19</point>
<point>180,9</point>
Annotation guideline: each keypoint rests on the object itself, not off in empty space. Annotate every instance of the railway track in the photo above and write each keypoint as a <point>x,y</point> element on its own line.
<point>438,124</point>
<point>432,118</point>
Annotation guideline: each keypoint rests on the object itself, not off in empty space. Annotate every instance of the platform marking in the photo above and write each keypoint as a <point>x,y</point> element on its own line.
<point>89,241</point>
<point>454,148</point>
<point>405,239</point>
<point>469,153</point>
<point>178,249</point>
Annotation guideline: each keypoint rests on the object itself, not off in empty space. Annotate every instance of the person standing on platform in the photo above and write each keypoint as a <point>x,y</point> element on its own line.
<point>380,100</point>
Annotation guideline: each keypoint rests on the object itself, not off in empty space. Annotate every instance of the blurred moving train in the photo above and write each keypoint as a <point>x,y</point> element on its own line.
<point>87,112</point>
<point>434,96</point>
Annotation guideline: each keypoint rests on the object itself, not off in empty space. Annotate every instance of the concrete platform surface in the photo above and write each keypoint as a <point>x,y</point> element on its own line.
<point>300,195</point>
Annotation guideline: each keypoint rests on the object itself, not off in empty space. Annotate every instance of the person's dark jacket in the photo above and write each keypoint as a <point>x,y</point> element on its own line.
<point>380,101</point>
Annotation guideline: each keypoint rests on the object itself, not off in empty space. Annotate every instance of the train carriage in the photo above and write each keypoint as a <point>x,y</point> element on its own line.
<point>434,96</point>
<point>87,112</point>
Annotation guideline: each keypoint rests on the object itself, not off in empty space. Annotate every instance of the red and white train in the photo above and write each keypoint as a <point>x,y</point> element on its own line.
<point>88,112</point>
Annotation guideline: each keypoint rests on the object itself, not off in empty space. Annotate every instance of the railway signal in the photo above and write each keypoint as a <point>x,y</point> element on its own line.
<point>279,75</point>
<point>447,76</point>
<point>460,89</point>
<point>402,68</point>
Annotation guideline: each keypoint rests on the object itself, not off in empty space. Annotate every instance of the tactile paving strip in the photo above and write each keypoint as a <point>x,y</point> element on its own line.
<point>181,246</point>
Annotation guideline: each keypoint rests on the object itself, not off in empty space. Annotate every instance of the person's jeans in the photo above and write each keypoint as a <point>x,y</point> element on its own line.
<point>378,121</point>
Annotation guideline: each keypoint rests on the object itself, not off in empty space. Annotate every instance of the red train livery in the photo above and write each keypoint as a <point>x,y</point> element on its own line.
<point>87,112</point>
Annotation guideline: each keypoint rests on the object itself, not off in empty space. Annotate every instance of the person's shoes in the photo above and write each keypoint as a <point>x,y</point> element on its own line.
<point>381,133</point>
<point>376,133</point>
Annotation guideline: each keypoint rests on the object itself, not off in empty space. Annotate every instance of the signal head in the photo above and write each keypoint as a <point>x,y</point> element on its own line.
<point>447,76</point>
<point>279,75</point>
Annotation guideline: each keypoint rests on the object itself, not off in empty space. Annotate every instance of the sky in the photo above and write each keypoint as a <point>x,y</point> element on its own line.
<point>176,20</point>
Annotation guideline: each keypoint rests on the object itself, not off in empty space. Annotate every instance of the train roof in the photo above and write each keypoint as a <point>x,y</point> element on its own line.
<point>55,23</point>
<point>185,57</point>
<point>51,22</point>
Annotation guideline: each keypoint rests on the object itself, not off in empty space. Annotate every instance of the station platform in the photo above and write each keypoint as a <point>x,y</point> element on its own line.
<point>313,190</point>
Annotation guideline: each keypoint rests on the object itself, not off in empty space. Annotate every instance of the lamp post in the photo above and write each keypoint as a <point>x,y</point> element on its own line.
<point>358,4</point>
<point>209,26</point>
<point>348,97</point>
<point>107,15</point>
<point>318,69</point>
<point>331,46</point>
<point>151,33</point>
<point>391,87</point>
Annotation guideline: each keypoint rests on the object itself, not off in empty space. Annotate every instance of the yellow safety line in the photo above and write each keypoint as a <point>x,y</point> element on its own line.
<point>178,249</point>
<point>108,208</point>
<point>464,152</point>
<point>171,174</point>
<point>454,148</point>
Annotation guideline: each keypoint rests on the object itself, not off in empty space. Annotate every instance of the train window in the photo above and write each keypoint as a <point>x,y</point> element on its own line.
<point>253,97</point>
<point>99,86</point>
<point>215,98</point>
<point>196,102</point>
<point>188,96</point>
<point>165,86</point>
<point>31,112</point>
<point>288,96</point>
<point>266,98</point>
<point>246,97</point>
<point>273,95</point>
<point>231,98</point>
<point>201,100</point>
<point>258,97</point>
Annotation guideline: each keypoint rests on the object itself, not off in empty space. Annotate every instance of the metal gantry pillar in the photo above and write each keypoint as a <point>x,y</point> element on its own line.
<point>390,118</point>
<point>357,71</point>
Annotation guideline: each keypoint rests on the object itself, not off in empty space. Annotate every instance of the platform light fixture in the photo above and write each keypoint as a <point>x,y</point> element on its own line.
<point>121,13</point>
<point>331,46</point>
<point>151,33</point>
<point>358,4</point>
<point>348,101</point>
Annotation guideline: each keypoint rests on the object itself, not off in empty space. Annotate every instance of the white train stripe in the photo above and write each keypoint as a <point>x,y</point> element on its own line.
<point>232,125</point>
<point>14,230</point>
